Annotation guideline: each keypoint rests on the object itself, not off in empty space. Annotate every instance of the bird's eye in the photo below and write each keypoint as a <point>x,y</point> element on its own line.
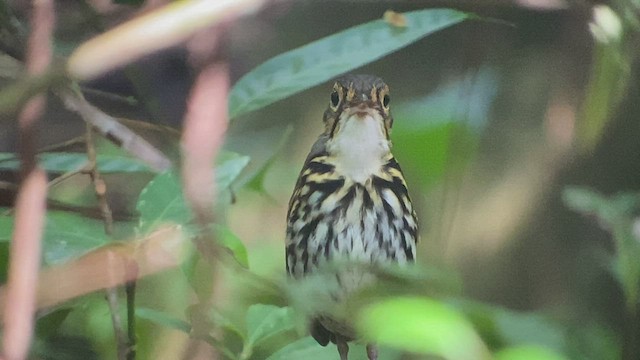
<point>385,101</point>
<point>335,99</point>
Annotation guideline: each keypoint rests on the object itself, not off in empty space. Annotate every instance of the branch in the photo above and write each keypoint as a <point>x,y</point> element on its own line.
<point>204,128</point>
<point>25,249</point>
<point>110,128</point>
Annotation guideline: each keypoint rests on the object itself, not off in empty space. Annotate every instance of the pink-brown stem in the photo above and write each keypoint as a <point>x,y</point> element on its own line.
<point>30,206</point>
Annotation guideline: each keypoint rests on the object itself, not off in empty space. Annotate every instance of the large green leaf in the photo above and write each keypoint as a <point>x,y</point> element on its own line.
<point>318,61</point>
<point>162,199</point>
<point>68,235</point>
<point>504,328</point>
<point>264,321</point>
<point>61,162</point>
<point>421,325</point>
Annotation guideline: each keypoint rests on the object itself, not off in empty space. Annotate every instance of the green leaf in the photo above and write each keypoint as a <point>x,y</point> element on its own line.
<point>264,321</point>
<point>228,168</point>
<point>68,235</point>
<point>257,182</point>
<point>617,213</point>
<point>61,162</point>
<point>420,325</point>
<point>318,61</point>
<point>6,226</point>
<point>228,239</point>
<point>439,133</point>
<point>530,352</point>
<point>308,348</point>
<point>162,199</point>
<point>163,319</point>
<point>500,327</point>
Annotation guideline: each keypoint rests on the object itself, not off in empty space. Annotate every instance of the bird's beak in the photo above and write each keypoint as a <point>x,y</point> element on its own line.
<point>361,108</point>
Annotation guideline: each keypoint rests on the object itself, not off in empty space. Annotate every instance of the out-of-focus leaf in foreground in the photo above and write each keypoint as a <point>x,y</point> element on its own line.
<point>501,328</point>
<point>530,352</point>
<point>421,325</point>
<point>318,61</point>
<point>308,348</point>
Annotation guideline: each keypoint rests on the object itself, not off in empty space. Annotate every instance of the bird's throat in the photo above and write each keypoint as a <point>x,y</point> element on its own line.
<point>359,147</point>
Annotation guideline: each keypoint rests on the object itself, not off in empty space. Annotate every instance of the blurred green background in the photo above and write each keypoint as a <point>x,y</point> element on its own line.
<point>494,120</point>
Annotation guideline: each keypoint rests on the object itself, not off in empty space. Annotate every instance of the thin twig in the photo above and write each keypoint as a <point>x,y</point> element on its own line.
<point>101,194</point>
<point>130,290</point>
<point>30,207</point>
<point>110,128</point>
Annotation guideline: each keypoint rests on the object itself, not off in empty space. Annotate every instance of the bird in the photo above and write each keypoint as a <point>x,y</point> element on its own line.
<point>350,202</point>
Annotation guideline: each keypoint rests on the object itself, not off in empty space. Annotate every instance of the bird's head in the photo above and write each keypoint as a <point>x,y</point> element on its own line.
<point>359,99</point>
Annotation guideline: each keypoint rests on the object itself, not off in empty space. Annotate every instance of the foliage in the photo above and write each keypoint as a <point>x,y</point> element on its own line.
<point>319,61</point>
<point>619,216</point>
<point>411,312</point>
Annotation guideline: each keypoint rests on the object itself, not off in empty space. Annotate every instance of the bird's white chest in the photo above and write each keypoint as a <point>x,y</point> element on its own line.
<point>359,148</point>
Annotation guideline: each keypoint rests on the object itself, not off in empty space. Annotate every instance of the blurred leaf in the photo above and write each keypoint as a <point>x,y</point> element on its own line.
<point>61,162</point>
<point>592,341</point>
<point>4,261</point>
<point>49,324</point>
<point>162,199</point>
<point>618,214</point>
<point>500,327</point>
<point>439,133</point>
<point>305,348</point>
<point>264,321</point>
<point>318,61</point>
<point>308,348</point>
<point>257,182</point>
<point>420,325</point>
<point>6,225</point>
<point>229,165</point>
<point>609,77</point>
<point>530,352</point>
<point>228,239</point>
<point>466,100</point>
<point>163,319</point>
